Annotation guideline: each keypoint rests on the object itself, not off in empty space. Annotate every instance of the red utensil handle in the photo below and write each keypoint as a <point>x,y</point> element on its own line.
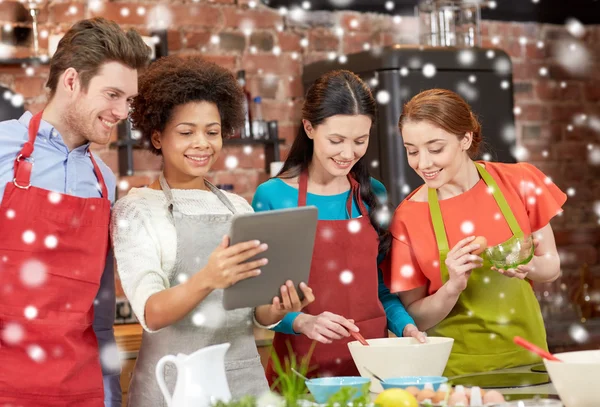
<point>359,338</point>
<point>535,349</point>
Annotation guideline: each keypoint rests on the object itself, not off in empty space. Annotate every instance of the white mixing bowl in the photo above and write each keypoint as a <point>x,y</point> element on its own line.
<point>577,377</point>
<point>397,357</point>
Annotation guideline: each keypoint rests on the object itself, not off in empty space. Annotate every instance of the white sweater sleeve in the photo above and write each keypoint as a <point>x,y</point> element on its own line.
<point>137,252</point>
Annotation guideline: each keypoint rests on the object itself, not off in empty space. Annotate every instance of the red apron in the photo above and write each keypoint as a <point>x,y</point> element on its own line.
<point>52,254</point>
<point>343,277</point>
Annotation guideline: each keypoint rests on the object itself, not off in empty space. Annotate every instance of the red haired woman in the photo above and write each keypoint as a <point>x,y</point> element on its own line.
<point>446,288</point>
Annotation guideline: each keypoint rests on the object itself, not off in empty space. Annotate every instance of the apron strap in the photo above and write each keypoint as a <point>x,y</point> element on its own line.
<point>438,222</point>
<point>171,202</point>
<point>354,193</point>
<point>222,197</point>
<point>501,201</point>
<point>99,176</point>
<point>24,166</point>
<point>24,161</point>
<point>302,188</point>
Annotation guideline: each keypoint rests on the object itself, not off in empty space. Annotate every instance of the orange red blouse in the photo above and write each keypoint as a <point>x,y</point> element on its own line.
<point>413,260</point>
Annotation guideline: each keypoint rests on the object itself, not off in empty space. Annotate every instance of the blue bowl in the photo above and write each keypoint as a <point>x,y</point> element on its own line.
<point>413,381</point>
<point>325,387</point>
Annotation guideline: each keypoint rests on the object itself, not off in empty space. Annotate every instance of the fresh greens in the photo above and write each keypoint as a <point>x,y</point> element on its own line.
<point>292,389</point>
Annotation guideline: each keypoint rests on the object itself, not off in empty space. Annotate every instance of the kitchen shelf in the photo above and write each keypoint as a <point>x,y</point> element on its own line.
<point>271,147</point>
<point>24,61</point>
<point>249,141</point>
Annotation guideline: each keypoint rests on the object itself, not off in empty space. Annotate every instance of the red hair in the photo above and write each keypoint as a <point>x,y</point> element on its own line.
<point>446,110</point>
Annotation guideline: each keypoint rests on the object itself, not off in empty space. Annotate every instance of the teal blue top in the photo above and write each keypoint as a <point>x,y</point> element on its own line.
<point>276,194</point>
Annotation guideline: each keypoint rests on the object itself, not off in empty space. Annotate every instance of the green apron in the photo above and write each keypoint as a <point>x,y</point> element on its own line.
<point>492,310</point>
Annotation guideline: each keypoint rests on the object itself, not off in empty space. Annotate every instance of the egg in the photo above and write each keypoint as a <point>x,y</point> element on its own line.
<point>426,394</point>
<point>482,242</point>
<point>493,396</point>
<point>413,390</point>
<point>439,396</point>
<point>458,399</point>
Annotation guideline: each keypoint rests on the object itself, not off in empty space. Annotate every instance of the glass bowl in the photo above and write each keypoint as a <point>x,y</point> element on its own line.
<point>512,253</point>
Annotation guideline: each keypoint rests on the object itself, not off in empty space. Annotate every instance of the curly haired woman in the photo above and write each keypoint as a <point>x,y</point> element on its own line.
<point>172,256</point>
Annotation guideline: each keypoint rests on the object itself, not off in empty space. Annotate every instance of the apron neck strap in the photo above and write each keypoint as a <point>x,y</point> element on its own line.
<point>438,222</point>
<point>24,161</point>
<point>436,213</point>
<point>354,193</point>
<point>171,202</point>
<point>500,200</point>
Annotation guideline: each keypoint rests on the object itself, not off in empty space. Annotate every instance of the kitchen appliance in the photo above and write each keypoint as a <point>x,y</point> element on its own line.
<point>483,77</point>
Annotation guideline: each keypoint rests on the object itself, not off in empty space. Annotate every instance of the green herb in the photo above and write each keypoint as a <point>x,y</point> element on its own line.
<point>246,401</point>
<point>291,386</point>
<point>347,395</point>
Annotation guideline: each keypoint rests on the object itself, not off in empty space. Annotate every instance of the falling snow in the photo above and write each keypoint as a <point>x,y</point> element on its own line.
<point>520,153</point>
<point>54,197</point>
<point>383,97</point>
<point>354,226</point>
<point>29,236</point>
<point>51,242</point>
<point>575,28</point>
<point>573,56</point>
<point>13,333</point>
<point>429,70</point>
<point>10,214</point>
<point>211,315</point>
<point>33,273</point>
<point>327,233</point>
<point>579,333</point>
<point>198,319</point>
<point>17,100</point>
<point>467,227</point>
<point>502,66</point>
<point>31,312</point>
<point>407,271</point>
<point>231,162</point>
<point>466,90</point>
<point>36,353</point>
<point>466,57</point>
<point>109,357</point>
<point>346,277</point>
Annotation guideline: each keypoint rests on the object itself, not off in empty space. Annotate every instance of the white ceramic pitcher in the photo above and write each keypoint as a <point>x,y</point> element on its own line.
<point>201,379</point>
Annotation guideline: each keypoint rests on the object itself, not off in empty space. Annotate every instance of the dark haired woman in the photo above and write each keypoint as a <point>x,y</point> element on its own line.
<point>431,258</point>
<point>326,168</point>
<point>172,256</point>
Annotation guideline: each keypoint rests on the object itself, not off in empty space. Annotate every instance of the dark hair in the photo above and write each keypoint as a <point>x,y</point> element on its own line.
<point>338,93</point>
<point>446,110</point>
<point>89,44</point>
<point>173,81</point>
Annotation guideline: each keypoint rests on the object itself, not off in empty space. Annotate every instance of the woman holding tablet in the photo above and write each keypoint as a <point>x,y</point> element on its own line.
<point>326,168</point>
<point>172,256</point>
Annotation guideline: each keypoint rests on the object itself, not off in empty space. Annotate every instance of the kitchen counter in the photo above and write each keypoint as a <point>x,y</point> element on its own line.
<point>542,389</point>
<point>129,338</point>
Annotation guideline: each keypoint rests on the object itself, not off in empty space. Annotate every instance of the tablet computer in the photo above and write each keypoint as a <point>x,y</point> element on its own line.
<point>290,234</point>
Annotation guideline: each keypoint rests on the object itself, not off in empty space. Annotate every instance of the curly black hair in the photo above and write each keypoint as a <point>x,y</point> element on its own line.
<point>172,81</point>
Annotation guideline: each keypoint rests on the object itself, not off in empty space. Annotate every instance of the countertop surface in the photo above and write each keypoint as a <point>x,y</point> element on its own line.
<point>129,338</point>
<point>542,389</point>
